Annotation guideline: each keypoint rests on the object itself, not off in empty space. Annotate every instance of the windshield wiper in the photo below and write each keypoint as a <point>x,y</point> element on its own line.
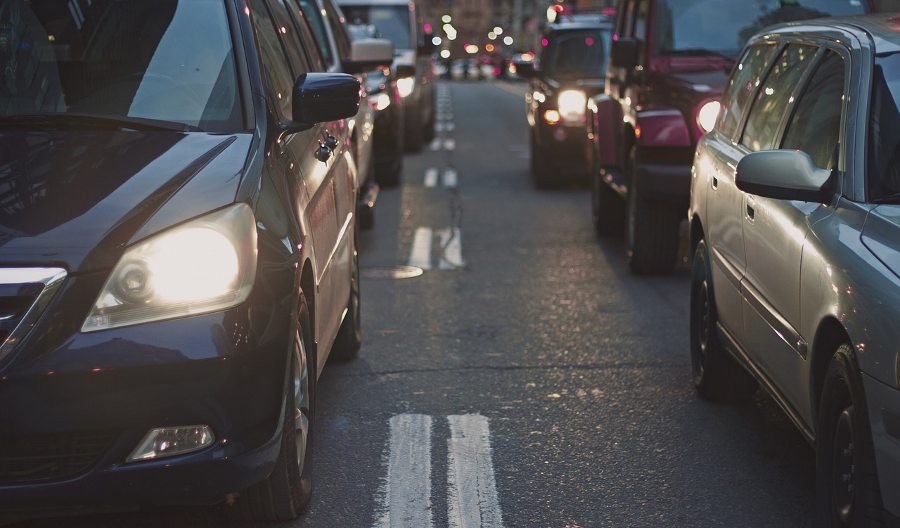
<point>700,52</point>
<point>94,120</point>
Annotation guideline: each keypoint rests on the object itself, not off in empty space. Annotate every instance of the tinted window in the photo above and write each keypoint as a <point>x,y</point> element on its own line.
<point>274,61</point>
<point>314,16</point>
<point>304,32</point>
<point>119,58</point>
<point>884,131</point>
<point>744,80</point>
<point>773,97</point>
<point>290,38</point>
<point>815,126</point>
<point>723,26</point>
<point>392,22</point>
<point>337,22</point>
<point>576,55</point>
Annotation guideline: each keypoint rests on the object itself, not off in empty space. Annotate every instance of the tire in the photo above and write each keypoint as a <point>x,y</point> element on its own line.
<point>285,493</point>
<point>847,490</point>
<point>716,375</point>
<point>429,132</point>
<point>607,208</point>
<point>349,339</point>
<point>365,217</point>
<point>652,230</point>
<point>540,166</point>
<point>414,139</point>
<point>390,174</point>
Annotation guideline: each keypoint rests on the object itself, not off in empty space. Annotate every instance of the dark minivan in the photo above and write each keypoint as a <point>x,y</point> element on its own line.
<point>177,252</point>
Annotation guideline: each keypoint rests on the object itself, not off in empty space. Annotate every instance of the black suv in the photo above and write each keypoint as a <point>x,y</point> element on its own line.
<point>570,69</point>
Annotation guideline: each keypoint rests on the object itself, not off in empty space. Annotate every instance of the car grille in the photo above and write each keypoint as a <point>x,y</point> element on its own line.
<point>50,456</point>
<point>24,294</point>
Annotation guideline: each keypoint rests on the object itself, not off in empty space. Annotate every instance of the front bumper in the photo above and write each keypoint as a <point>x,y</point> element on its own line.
<point>113,386</point>
<point>883,403</point>
<point>565,145</point>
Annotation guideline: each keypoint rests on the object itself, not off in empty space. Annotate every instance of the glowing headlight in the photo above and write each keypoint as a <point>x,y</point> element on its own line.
<point>405,86</point>
<point>708,115</point>
<point>379,101</point>
<point>572,104</point>
<point>202,266</point>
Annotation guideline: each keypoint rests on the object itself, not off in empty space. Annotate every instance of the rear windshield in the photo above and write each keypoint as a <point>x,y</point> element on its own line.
<point>576,55</point>
<point>884,131</point>
<point>391,22</point>
<point>722,27</point>
<point>165,60</point>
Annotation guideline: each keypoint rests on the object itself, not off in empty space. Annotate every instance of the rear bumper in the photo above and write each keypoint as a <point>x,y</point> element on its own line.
<point>566,146</point>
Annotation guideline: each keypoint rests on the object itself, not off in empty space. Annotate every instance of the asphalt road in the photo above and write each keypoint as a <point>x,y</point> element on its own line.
<point>525,379</point>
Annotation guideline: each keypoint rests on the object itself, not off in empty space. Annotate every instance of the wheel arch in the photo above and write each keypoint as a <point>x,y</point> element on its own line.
<point>830,334</point>
<point>308,290</point>
<point>697,234</point>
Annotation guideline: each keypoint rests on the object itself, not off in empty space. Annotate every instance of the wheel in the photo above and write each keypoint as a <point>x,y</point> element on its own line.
<point>847,491</point>
<point>415,130</point>
<point>429,131</point>
<point>540,167</point>
<point>349,339</point>
<point>285,493</point>
<point>607,208</point>
<point>389,174</point>
<point>652,230</point>
<point>365,217</point>
<point>716,375</point>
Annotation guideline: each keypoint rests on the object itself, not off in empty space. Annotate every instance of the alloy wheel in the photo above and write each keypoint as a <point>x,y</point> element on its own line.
<point>301,399</point>
<point>844,467</point>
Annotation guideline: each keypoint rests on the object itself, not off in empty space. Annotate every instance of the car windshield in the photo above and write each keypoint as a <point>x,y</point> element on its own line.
<point>391,21</point>
<point>721,27</point>
<point>165,61</point>
<point>576,55</point>
<point>884,131</point>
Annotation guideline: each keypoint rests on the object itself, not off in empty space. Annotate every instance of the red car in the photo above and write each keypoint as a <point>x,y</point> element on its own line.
<point>669,63</point>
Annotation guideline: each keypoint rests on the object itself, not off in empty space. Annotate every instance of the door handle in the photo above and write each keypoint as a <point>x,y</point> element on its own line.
<point>331,142</point>
<point>323,153</point>
<point>750,212</point>
<point>715,183</point>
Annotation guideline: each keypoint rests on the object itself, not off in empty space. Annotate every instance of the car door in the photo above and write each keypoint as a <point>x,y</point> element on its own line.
<point>724,229</point>
<point>775,230</point>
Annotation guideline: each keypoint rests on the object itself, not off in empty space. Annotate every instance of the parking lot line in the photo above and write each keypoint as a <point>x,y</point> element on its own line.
<point>420,254</point>
<point>405,498</point>
<point>472,500</point>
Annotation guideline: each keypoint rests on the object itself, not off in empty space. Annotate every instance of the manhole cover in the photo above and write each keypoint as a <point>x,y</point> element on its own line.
<point>391,272</point>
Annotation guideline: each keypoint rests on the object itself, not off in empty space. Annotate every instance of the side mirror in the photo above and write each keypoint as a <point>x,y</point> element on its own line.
<point>783,175</point>
<point>427,47</point>
<point>369,54</point>
<point>323,97</point>
<point>406,70</point>
<point>624,53</point>
<point>526,69</point>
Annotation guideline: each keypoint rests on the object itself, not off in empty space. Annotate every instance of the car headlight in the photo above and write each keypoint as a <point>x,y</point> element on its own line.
<point>379,101</point>
<point>201,266</point>
<point>571,105</point>
<point>708,114</point>
<point>405,86</point>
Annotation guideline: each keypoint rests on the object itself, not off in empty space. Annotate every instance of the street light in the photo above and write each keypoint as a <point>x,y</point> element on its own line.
<point>445,54</point>
<point>492,35</point>
<point>508,40</point>
<point>446,19</point>
<point>498,30</point>
<point>436,40</point>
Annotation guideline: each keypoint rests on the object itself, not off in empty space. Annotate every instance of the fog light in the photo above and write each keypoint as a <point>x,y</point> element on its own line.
<point>171,441</point>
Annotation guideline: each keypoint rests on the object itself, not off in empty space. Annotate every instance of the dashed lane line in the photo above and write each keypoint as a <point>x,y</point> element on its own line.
<point>431,177</point>
<point>420,253</point>
<point>472,498</point>
<point>405,495</point>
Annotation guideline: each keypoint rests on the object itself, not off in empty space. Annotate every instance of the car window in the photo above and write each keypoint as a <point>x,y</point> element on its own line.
<point>816,124</point>
<point>274,61</point>
<point>576,55</point>
<point>884,128</point>
<point>741,86</point>
<point>314,17</point>
<point>773,97</point>
<point>393,22</point>
<point>308,41</point>
<point>288,31</point>
<point>337,21</point>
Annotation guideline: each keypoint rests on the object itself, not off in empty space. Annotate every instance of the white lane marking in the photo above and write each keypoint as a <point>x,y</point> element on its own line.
<point>449,127</point>
<point>439,126</point>
<point>420,254</point>
<point>405,498</point>
<point>449,144</point>
<point>451,247</point>
<point>431,177</point>
<point>471,488</point>
<point>449,178</point>
<point>436,144</point>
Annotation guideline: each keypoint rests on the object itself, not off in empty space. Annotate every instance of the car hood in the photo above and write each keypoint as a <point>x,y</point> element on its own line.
<point>77,197</point>
<point>710,82</point>
<point>880,235</point>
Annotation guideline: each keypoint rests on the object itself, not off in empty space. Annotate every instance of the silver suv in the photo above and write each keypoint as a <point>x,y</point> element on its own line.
<point>795,227</point>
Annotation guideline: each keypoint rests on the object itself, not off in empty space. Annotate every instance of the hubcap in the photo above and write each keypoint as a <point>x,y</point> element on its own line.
<point>301,399</point>
<point>701,325</point>
<point>843,467</point>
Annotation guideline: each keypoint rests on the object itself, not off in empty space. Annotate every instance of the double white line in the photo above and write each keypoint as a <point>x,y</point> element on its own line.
<point>405,495</point>
<point>448,177</point>
<point>450,248</point>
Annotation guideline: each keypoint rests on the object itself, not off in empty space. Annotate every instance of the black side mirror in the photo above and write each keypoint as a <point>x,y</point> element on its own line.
<point>783,175</point>
<point>406,70</point>
<point>526,69</point>
<point>323,97</point>
<point>624,53</point>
